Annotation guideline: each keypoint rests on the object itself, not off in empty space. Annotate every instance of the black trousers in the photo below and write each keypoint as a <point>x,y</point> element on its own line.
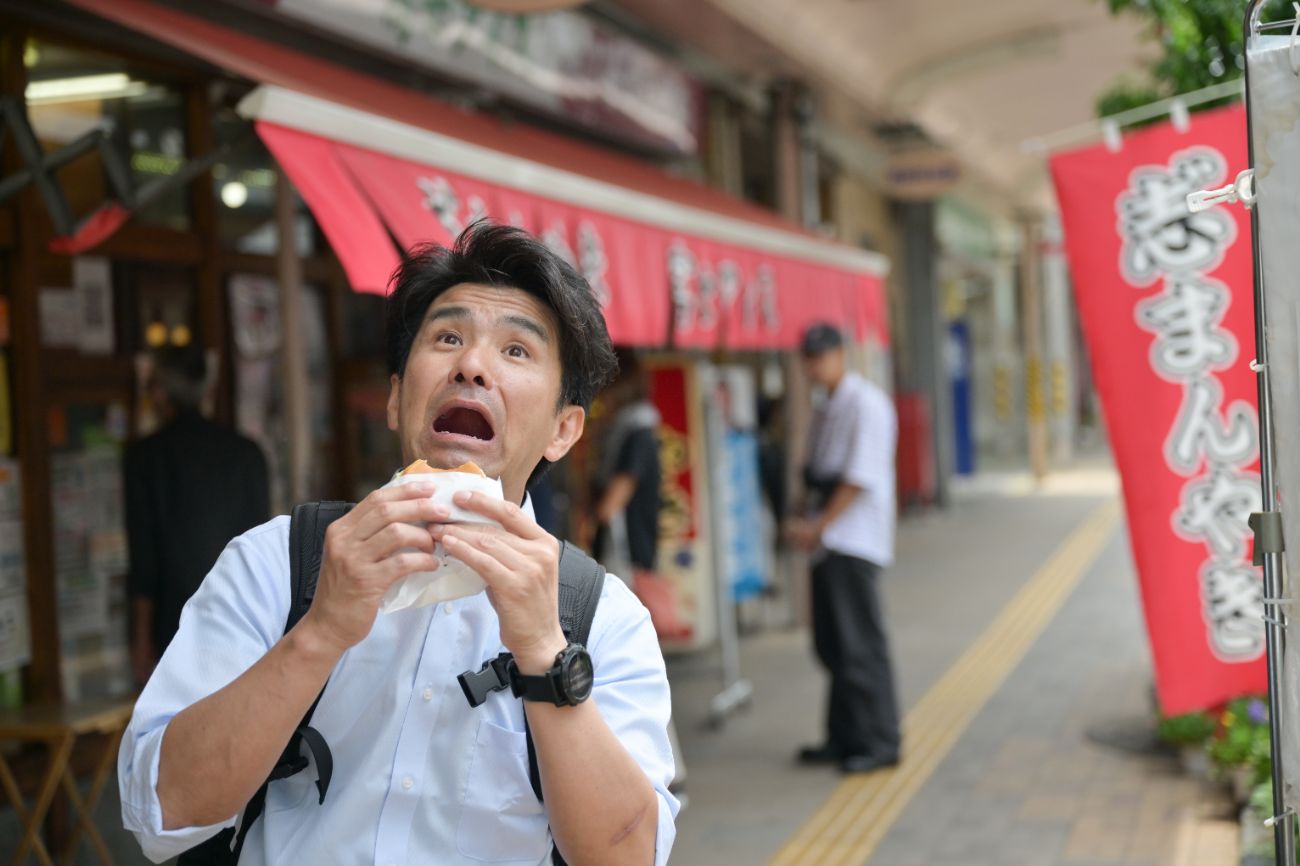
<point>849,636</point>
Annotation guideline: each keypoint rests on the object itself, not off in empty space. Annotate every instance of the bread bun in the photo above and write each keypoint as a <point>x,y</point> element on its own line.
<point>422,467</point>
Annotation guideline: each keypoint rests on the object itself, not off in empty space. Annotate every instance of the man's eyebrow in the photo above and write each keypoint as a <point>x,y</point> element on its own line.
<point>447,313</point>
<point>530,325</point>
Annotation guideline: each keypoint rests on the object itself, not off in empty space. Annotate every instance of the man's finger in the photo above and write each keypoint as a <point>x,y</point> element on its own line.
<point>401,565</point>
<point>491,540</point>
<point>509,515</point>
<point>415,505</point>
<point>484,565</point>
<point>394,537</point>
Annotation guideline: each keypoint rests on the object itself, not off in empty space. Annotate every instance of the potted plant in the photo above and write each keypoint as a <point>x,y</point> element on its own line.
<point>1189,732</point>
<point>1240,748</point>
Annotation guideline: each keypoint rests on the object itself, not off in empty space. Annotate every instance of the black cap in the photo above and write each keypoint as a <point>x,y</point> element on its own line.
<point>820,339</point>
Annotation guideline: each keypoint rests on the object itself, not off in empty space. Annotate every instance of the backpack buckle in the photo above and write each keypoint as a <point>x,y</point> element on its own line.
<point>494,676</point>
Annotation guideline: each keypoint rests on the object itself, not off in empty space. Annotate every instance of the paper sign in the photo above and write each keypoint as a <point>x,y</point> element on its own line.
<point>92,281</point>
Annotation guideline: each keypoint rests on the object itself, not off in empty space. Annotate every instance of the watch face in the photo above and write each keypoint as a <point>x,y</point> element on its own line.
<point>579,675</point>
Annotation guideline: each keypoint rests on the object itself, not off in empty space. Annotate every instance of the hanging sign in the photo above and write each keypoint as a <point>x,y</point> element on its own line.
<point>1164,296</point>
<point>656,286</point>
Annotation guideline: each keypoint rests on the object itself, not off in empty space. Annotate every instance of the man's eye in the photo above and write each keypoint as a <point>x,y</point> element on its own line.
<point>517,351</point>
<point>447,337</point>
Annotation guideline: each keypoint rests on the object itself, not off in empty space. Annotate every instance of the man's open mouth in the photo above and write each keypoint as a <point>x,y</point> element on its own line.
<point>464,421</point>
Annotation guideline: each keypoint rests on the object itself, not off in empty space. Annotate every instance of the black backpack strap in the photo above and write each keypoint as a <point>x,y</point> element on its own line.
<point>306,547</point>
<point>581,581</point>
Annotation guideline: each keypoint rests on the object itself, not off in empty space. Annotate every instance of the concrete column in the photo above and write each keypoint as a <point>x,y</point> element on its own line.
<point>1005,355</point>
<point>1031,293</point>
<point>293,350</point>
<point>926,370</point>
<point>785,152</point>
<point>723,160</point>
<point>1058,348</point>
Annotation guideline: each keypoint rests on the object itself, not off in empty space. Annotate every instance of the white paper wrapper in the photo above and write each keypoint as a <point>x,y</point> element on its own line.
<point>453,579</point>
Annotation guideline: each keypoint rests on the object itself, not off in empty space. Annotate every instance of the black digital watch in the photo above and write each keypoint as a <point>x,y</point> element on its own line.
<point>567,684</point>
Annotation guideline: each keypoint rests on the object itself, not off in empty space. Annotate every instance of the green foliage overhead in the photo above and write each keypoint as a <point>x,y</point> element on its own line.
<point>1200,42</point>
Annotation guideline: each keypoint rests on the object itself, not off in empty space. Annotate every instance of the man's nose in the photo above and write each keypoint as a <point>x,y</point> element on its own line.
<point>472,366</point>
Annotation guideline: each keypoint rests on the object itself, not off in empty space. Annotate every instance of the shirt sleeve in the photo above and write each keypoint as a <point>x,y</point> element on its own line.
<point>631,690</point>
<point>874,432</point>
<point>237,615</point>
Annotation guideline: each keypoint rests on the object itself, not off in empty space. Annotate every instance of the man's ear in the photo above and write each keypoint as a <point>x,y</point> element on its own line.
<point>394,401</point>
<point>569,424</point>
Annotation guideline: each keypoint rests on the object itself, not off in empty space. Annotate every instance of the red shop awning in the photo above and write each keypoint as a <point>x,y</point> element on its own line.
<point>667,255</point>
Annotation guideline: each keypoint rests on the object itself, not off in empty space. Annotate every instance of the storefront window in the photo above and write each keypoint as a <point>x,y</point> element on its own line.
<point>90,547</point>
<point>72,92</point>
<point>244,186</point>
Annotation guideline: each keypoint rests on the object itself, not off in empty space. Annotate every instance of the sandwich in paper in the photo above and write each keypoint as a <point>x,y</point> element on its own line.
<point>453,579</point>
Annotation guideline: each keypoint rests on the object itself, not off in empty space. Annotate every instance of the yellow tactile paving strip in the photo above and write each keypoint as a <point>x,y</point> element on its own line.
<point>850,824</point>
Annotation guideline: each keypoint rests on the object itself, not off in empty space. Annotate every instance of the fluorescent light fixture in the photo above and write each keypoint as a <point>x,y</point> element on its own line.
<point>110,85</point>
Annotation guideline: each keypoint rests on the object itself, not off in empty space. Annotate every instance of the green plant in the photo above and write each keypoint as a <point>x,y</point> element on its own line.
<point>1201,42</point>
<point>1188,729</point>
<point>1261,798</point>
<point>1241,738</point>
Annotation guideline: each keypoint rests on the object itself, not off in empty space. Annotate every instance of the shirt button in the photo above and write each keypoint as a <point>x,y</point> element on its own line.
<point>448,607</point>
<point>408,783</point>
<point>427,694</point>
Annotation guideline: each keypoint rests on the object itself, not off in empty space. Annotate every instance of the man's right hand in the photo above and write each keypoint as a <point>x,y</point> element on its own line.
<point>367,551</point>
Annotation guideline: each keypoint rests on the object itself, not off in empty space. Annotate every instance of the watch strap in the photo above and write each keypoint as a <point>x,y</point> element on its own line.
<point>541,688</point>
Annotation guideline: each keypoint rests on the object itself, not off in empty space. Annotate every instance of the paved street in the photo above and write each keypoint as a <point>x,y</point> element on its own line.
<point>1028,780</point>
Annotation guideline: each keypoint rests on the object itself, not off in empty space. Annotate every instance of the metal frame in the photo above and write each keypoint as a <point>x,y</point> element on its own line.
<point>1274,617</point>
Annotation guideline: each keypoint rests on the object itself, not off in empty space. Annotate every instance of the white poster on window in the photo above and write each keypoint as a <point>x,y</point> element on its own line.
<point>59,318</point>
<point>15,641</point>
<point>92,280</point>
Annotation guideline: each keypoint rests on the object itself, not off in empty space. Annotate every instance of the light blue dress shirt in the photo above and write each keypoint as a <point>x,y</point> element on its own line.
<point>419,777</point>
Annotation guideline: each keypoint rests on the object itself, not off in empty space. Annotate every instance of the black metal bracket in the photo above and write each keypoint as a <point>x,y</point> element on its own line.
<point>1267,526</point>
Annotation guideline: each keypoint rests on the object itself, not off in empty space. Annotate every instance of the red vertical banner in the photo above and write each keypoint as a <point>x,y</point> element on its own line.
<point>685,541</point>
<point>1165,299</point>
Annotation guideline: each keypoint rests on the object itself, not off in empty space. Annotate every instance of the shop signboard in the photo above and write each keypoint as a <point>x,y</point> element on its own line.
<point>1164,297</point>
<point>685,555</point>
<point>563,63</point>
<point>734,459</point>
<point>657,286</point>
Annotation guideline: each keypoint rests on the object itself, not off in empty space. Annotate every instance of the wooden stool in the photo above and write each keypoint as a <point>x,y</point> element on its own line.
<point>58,727</point>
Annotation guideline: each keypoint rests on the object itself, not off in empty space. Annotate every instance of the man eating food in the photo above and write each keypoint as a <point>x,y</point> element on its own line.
<point>496,348</point>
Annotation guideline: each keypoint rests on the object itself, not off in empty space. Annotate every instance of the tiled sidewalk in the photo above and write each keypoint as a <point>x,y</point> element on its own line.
<point>1030,781</point>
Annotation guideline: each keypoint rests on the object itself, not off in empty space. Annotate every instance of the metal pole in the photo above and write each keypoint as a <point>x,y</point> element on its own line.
<point>1031,294</point>
<point>293,348</point>
<point>1283,837</point>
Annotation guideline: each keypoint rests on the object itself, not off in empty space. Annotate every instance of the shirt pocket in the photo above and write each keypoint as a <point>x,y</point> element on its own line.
<point>502,821</point>
<point>290,793</point>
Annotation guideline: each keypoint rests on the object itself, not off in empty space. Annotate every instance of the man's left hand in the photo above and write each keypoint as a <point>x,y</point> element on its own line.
<point>520,562</point>
<point>803,534</point>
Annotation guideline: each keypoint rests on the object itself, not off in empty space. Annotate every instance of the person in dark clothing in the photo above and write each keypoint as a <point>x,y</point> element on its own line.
<point>190,488</point>
<point>629,477</point>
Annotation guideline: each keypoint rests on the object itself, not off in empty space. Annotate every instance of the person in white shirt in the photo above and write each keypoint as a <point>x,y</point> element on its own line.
<point>850,486</point>
<point>496,347</point>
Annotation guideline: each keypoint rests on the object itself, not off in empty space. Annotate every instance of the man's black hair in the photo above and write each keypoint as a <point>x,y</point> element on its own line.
<point>182,374</point>
<point>507,257</point>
